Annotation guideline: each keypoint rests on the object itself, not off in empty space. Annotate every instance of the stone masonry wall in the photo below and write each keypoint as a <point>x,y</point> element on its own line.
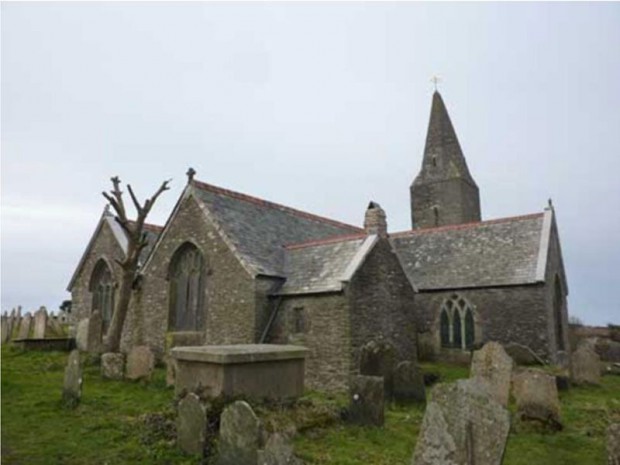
<point>506,314</point>
<point>382,304</point>
<point>555,269</point>
<point>230,305</point>
<point>105,246</point>
<point>324,323</point>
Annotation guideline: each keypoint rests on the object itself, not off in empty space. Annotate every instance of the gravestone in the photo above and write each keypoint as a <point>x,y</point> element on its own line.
<point>171,370</point>
<point>278,451</point>
<point>72,389</point>
<point>366,400</point>
<point>613,444</point>
<point>140,363</point>
<point>6,333</point>
<point>493,366</point>
<point>585,366</point>
<point>40,323</point>
<point>462,425</point>
<point>81,335</point>
<point>191,424</point>
<point>378,359</point>
<point>239,435</point>
<point>537,398</point>
<point>95,328</point>
<point>55,327</point>
<point>409,383</point>
<point>112,365</point>
<point>523,355</point>
<point>24,327</point>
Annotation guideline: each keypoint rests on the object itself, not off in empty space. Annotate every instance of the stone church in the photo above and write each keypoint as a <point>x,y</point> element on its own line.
<point>228,268</point>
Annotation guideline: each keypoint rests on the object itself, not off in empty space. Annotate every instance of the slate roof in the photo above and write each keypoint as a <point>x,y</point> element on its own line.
<point>323,266</point>
<point>259,229</point>
<point>508,251</point>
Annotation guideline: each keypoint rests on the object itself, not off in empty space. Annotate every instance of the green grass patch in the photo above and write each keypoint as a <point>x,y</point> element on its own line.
<point>121,422</point>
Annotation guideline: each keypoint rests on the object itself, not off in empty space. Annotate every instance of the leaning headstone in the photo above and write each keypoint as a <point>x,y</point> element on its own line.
<point>585,366</point>
<point>239,435</point>
<point>24,327</point>
<point>72,389</point>
<point>366,401</point>
<point>140,363</point>
<point>493,366</point>
<point>537,398</point>
<point>523,355</point>
<point>613,444</point>
<point>6,333</point>
<point>40,323</point>
<point>81,335</point>
<point>408,383</point>
<point>462,425</point>
<point>191,424</point>
<point>378,359</point>
<point>278,451</point>
<point>112,365</point>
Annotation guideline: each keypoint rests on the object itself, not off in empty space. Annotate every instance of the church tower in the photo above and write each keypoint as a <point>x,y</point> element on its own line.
<point>443,192</point>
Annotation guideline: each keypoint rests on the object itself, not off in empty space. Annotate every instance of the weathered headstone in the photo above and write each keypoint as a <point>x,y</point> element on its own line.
<point>463,425</point>
<point>378,359</point>
<point>55,327</point>
<point>239,435</point>
<point>278,451</point>
<point>24,327</point>
<point>112,365</point>
<point>6,333</point>
<point>613,444</point>
<point>81,335</point>
<point>493,366</point>
<point>191,424</point>
<point>171,370</point>
<point>409,383</point>
<point>585,366</point>
<point>40,323</point>
<point>537,397</point>
<point>523,355</point>
<point>140,363</point>
<point>72,389</point>
<point>366,400</point>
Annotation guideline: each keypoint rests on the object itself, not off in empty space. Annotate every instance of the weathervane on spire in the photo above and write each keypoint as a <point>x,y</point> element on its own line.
<point>435,80</point>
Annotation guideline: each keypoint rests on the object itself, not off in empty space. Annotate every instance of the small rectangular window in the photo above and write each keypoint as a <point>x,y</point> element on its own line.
<point>299,320</point>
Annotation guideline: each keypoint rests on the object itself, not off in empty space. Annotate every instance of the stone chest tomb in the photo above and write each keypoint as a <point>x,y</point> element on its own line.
<point>254,370</point>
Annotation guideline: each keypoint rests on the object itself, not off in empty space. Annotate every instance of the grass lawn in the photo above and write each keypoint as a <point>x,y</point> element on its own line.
<point>123,422</point>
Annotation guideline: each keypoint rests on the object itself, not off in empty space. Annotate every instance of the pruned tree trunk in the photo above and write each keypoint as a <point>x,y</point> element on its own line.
<point>136,242</point>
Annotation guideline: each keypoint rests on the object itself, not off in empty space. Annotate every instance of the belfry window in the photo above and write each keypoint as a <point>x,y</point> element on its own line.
<point>186,276</point>
<point>456,324</point>
<point>102,288</point>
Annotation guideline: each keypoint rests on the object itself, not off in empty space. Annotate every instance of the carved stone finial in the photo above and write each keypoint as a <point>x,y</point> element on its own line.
<point>550,203</point>
<point>190,174</point>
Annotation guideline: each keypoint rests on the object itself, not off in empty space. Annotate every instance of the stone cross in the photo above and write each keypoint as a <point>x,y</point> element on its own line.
<point>435,80</point>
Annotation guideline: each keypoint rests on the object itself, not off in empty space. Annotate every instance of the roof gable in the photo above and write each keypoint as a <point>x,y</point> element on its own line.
<point>508,251</point>
<point>258,230</point>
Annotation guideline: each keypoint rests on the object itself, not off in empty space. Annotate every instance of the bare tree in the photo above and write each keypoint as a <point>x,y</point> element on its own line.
<point>136,242</point>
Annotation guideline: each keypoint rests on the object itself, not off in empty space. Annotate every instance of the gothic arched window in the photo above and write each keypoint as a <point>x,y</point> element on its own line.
<point>457,327</point>
<point>102,288</point>
<point>557,314</point>
<point>186,275</point>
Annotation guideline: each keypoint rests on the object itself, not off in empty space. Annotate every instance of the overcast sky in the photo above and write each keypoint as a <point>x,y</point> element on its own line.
<point>320,106</point>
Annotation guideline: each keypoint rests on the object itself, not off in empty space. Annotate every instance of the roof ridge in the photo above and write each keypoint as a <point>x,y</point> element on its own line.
<point>451,227</point>
<point>267,203</point>
<point>150,226</point>
<point>327,240</point>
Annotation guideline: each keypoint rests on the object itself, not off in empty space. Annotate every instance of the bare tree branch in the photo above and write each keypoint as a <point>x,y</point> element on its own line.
<point>134,199</point>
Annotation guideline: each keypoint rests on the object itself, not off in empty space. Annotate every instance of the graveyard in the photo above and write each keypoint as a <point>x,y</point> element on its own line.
<point>123,421</point>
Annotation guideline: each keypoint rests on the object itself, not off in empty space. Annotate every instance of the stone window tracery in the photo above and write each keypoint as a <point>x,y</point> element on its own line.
<point>456,324</point>
<point>102,289</point>
<point>186,276</point>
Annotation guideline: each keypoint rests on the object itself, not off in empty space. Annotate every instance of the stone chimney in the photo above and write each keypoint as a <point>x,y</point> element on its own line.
<point>374,221</point>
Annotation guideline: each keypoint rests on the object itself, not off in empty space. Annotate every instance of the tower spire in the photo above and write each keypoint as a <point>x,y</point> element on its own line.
<point>444,192</point>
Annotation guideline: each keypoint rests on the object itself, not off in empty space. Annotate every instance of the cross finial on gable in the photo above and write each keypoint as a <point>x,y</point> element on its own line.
<point>190,174</point>
<point>435,80</point>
